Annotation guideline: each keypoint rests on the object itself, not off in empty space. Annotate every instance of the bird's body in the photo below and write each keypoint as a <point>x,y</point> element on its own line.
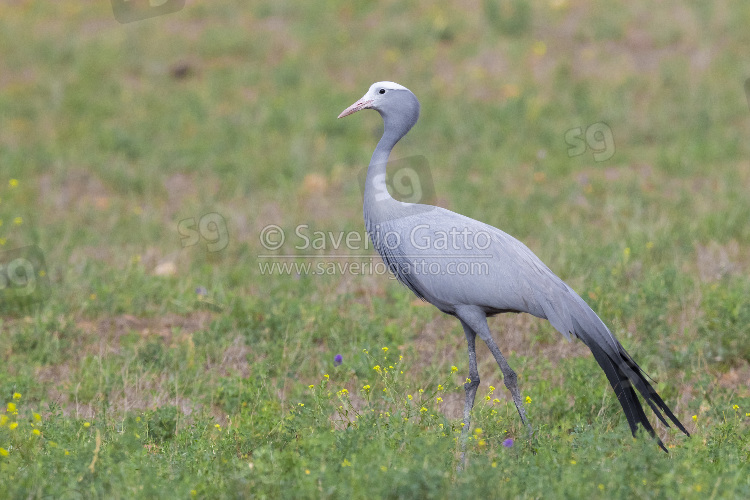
<point>451,260</point>
<point>472,270</point>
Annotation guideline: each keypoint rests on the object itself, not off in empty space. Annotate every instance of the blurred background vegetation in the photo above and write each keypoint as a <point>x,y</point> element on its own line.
<point>113,135</point>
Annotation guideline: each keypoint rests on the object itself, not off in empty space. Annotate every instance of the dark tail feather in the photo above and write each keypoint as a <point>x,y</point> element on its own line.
<point>623,373</point>
<point>648,392</point>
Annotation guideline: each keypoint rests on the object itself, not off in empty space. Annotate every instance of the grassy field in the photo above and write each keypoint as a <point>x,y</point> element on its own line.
<point>141,165</point>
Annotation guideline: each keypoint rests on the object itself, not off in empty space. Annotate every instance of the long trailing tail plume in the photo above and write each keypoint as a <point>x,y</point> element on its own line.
<point>624,373</point>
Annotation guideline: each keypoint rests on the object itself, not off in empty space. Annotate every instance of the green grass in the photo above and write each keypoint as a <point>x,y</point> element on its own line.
<point>131,371</point>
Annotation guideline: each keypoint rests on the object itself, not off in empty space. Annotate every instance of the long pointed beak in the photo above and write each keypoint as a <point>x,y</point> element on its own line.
<point>357,106</point>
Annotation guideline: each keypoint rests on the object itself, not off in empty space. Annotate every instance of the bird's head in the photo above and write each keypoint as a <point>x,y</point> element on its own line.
<point>395,103</point>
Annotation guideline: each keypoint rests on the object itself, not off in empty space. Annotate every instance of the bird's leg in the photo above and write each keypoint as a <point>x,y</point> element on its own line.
<point>477,322</point>
<point>509,376</point>
<point>471,386</point>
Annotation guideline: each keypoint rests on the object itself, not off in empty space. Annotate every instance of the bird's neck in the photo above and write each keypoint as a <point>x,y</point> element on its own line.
<point>375,184</point>
<point>378,203</point>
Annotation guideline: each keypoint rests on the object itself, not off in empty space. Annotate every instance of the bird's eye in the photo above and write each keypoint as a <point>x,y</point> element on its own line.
<point>381,91</point>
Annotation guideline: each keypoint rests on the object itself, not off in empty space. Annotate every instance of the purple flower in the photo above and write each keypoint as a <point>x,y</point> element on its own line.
<point>338,360</point>
<point>201,290</point>
<point>508,443</point>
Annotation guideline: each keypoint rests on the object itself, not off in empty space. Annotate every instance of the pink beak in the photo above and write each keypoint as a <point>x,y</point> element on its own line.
<point>357,106</point>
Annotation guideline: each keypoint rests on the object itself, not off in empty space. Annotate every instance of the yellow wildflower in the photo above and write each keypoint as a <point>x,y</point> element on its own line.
<point>11,408</point>
<point>440,387</point>
<point>37,417</point>
<point>539,48</point>
<point>409,397</point>
<point>423,409</point>
<point>13,183</point>
<point>16,395</point>
<point>528,400</point>
<point>3,420</point>
<point>18,221</point>
<point>385,349</point>
<point>695,418</point>
<point>735,407</point>
<point>12,425</point>
<point>439,400</point>
<point>4,452</point>
<point>454,369</point>
<point>218,427</point>
<point>366,387</point>
<point>86,424</point>
<point>346,463</point>
<point>376,368</point>
<point>36,431</point>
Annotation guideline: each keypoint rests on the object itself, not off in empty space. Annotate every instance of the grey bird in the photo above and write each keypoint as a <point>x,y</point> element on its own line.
<point>472,270</point>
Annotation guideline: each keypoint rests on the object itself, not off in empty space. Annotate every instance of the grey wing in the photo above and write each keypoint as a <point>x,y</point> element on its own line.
<point>510,277</point>
<point>399,264</point>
